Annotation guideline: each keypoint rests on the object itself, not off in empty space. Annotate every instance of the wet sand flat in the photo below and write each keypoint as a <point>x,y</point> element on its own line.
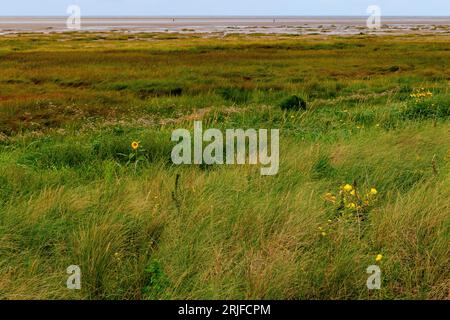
<point>274,25</point>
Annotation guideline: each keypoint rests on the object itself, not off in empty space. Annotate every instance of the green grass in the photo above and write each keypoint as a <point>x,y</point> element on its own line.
<point>71,105</point>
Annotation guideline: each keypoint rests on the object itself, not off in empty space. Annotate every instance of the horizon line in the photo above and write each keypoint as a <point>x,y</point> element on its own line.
<point>226,16</point>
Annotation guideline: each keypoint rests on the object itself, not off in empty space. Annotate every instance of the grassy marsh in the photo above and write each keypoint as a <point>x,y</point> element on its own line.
<point>71,103</point>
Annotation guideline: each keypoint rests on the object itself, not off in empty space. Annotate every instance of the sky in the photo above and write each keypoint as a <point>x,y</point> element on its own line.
<point>224,7</point>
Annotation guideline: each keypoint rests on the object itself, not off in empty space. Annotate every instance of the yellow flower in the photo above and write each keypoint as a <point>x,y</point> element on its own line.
<point>351,205</point>
<point>373,191</point>
<point>348,188</point>
<point>135,145</point>
<point>353,193</point>
<point>379,258</point>
<point>324,234</point>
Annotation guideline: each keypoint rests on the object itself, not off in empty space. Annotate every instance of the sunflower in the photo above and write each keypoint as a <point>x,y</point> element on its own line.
<point>134,145</point>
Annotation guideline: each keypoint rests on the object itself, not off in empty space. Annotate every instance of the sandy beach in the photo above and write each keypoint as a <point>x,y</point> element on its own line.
<point>270,25</point>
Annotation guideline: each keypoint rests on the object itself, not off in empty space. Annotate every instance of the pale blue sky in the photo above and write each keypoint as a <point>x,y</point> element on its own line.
<point>225,7</point>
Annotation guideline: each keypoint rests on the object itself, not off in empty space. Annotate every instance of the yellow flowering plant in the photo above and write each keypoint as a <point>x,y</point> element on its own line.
<point>421,94</point>
<point>136,155</point>
<point>423,104</point>
<point>350,201</point>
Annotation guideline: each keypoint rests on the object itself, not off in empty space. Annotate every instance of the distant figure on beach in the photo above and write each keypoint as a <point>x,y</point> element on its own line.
<point>273,20</point>
<point>173,19</point>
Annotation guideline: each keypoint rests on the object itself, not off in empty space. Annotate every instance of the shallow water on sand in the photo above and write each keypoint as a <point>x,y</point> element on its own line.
<point>225,25</point>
